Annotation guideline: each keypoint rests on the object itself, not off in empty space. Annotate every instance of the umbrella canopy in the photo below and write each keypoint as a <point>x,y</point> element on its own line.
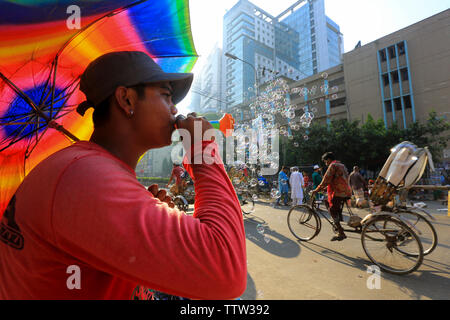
<point>44,48</point>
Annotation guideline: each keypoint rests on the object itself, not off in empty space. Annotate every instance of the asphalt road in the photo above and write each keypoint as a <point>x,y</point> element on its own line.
<point>282,268</point>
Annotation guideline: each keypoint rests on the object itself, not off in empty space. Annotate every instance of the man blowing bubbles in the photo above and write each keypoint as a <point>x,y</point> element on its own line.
<point>83,205</point>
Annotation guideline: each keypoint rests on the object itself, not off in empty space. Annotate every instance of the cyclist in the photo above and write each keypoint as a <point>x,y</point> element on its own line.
<point>178,173</point>
<point>338,190</point>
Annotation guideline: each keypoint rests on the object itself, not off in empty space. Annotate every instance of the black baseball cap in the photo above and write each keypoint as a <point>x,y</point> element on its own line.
<point>126,68</point>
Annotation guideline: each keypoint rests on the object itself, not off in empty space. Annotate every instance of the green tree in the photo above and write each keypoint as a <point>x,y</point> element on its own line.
<point>367,145</point>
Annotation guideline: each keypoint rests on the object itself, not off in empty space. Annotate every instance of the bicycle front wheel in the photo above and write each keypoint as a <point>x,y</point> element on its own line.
<point>303,222</point>
<point>247,203</point>
<point>389,242</point>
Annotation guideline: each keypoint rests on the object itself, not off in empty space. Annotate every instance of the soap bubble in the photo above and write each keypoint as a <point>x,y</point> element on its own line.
<point>275,193</point>
<point>260,229</point>
<point>324,75</point>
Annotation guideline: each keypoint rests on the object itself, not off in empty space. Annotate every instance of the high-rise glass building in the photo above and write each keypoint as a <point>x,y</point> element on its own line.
<point>298,43</point>
<point>321,44</point>
<point>207,89</point>
<point>263,46</point>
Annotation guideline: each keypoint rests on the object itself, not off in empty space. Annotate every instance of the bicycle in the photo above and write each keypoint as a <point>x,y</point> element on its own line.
<point>246,201</point>
<point>387,240</point>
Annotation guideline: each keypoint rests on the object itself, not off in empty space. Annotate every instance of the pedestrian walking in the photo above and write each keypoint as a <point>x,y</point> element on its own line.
<point>297,183</point>
<point>283,185</point>
<point>358,185</point>
<point>317,179</point>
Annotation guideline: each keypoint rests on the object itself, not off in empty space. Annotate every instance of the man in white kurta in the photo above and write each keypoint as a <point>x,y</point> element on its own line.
<point>297,183</point>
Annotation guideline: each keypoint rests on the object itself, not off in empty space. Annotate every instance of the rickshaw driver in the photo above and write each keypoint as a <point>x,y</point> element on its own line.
<point>335,179</point>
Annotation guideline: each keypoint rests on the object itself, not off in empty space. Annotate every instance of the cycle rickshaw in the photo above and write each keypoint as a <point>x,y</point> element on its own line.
<point>390,233</point>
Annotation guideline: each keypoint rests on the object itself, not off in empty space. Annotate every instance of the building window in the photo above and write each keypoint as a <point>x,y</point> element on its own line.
<point>391,51</point>
<point>407,102</point>
<point>395,78</point>
<point>401,48</point>
<point>388,106</point>
<point>385,80</point>
<point>336,82</point>
<point>404,74</point>
<point>382,55</point>
<point>398,104</point>
<point>337,103</point>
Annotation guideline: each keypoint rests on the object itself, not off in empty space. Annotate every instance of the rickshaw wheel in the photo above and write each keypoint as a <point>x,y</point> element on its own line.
<point>390,245</point>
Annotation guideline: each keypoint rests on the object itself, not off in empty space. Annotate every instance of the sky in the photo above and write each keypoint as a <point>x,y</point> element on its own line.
<point>365,20</point>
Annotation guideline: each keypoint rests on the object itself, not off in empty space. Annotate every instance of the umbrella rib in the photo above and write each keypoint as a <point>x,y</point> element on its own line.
<point>38,111</point>
<point>15,139</point>
<point>16,117</point>
<point>28,151</point>
<point>19,123</point>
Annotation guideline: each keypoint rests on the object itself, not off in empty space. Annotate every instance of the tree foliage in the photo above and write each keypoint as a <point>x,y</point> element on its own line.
<point>367,145</point>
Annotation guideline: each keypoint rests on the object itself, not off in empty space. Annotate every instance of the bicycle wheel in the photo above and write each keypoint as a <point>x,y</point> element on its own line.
<point>181,203</point>
<point>303,222</point>
<point>427,235</point>
<point>390,239</point>
<point>247,203</point>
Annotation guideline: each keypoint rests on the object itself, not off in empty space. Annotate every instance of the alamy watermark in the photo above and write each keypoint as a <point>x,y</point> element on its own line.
<point>74,280</point>
<point>74,20</point>
<point>374,281</point>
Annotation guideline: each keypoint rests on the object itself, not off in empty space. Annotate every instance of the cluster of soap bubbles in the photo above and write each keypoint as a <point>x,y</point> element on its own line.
<point>272,108</point>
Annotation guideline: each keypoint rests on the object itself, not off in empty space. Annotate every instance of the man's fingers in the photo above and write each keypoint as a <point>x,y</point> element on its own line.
<point>167,199</point>
<point>161,195</point>
<point>153,189</point>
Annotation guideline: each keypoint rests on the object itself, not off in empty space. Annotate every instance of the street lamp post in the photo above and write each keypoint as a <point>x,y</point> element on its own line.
<point>232,56</point>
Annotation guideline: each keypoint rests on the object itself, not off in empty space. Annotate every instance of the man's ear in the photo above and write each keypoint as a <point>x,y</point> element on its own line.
<point>124,99</point>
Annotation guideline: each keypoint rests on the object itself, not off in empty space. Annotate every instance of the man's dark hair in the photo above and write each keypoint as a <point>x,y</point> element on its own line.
<point>101,111</point>
<point>328,156</point>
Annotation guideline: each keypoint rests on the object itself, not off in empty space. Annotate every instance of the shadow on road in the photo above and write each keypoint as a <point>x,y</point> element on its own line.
<point>420,284</point>
<point>337,256</point>
<point>250,292</point>
<point>432,284</point>
<point>258,232</point>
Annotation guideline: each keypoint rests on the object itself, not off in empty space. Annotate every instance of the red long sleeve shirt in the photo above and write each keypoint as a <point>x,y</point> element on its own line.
<point>84,208</point>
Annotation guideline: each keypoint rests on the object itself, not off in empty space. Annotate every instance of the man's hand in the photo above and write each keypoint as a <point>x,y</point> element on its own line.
<point>313,193</point>
<point>161,195</point>
<point>188,123</point>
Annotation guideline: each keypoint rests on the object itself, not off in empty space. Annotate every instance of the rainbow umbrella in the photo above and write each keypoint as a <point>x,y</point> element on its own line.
<point>45,46</point>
